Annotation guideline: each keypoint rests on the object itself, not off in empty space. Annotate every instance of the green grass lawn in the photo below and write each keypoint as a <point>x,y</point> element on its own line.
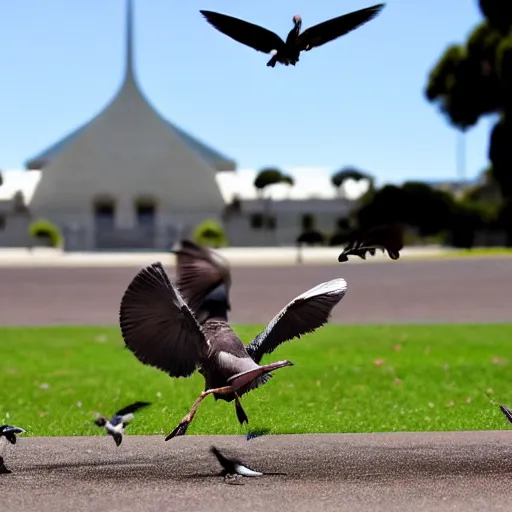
<point>345,379</point>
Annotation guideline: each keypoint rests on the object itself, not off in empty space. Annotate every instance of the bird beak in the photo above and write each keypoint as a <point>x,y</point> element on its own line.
<point>278,364</point>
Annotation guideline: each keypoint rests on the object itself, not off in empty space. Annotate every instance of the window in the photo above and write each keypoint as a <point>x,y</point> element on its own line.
<point>104,213</point>
<point>256,221</point>
<point>145,211</point>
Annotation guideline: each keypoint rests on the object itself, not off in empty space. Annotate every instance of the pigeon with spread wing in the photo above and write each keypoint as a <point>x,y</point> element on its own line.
<point>183,327</point>
<point>287,53</point>
<point>387,238</point>
<point>116,425</point>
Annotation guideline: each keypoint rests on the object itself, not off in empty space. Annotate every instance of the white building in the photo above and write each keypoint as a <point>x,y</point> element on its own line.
<point>130,179</point>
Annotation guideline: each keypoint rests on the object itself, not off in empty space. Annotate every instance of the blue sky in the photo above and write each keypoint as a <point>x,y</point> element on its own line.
<point>356,101</point>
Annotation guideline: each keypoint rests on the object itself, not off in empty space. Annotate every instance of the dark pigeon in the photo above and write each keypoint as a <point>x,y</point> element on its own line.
<point>9,432</point>
<point>233,467</point>
<point>183,327</point>
<point>387,238</point>
<point>288,52</point>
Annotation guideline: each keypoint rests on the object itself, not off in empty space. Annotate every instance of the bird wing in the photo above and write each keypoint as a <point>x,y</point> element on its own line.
<point>132,408</point>
<point>158,326</point>
<point>388,238</point>
<point>304,314</point>
<point>230,464</point>
<point>13,429</point>
<point>507,412</point>
<point>335,27</point>
<point>252,35</point>
<point>199,271</point>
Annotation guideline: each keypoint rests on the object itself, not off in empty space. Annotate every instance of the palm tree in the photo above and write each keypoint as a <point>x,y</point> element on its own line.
<point>265,178</point>
<point>339,178</point>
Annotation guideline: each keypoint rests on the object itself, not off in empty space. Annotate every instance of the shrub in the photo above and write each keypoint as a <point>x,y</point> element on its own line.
<point>210,233</point>
<point>46,230</point>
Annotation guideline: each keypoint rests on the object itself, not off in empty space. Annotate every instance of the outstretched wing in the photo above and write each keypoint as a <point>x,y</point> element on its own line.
<point>132,408</point>
<point>507,412</point>
<point>200,271</point>
<point>335,27</point>
<point>252,35</point>
<point>387,238</point>
<point>158,326</point>
<point>12,429</point>
<point>304,314</point>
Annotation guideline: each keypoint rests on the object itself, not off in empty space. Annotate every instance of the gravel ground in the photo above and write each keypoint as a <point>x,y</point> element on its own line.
<point>468,471</point>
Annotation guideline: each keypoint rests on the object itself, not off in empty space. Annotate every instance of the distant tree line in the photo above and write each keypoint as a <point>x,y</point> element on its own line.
<point>424,211</point>
<point>474,79</point>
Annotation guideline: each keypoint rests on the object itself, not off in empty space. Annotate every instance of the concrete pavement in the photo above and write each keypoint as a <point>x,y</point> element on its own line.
<point>442,471</point>
<point>237,256</point>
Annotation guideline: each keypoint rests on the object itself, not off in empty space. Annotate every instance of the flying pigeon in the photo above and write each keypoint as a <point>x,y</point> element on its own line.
<point>287,52</point>
<point>386,238</point>
<point>184,327</point>
<point>116,425</point>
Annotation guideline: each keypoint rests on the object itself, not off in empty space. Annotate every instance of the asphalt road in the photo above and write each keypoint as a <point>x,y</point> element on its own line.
<point>468,471</point>
<point>444,290</point>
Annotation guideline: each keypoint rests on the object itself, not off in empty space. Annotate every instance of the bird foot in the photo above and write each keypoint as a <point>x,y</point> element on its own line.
<point>180,430</point>
<point>233,479</point>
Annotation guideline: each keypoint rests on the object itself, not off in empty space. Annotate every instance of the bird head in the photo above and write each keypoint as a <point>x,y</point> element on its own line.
<point>297,20</point>
<point>100,420</point>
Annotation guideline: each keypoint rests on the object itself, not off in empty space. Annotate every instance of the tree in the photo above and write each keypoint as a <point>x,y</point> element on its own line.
<point>267,177</point>
<point>264,179</point>
<point>339,178</point>
<point>1,179</point>
<point>414,203</point>
<point>475,79</point>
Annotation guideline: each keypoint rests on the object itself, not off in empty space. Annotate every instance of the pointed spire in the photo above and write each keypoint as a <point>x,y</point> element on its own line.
<point>129,73</point>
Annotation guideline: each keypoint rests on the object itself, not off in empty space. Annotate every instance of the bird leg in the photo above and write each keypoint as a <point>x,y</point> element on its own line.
<point>234,384</point>
<point>240,413</point>
<point>181,429</point>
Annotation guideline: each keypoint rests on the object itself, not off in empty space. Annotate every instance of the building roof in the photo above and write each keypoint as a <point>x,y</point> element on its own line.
<point>212,157</point>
